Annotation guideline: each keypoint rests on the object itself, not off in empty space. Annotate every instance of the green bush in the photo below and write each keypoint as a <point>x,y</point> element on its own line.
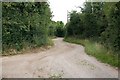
<point>25,22</point>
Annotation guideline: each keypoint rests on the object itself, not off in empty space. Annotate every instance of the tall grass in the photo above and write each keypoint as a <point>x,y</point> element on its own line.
<point>97,50</point>
<point>27,47</point>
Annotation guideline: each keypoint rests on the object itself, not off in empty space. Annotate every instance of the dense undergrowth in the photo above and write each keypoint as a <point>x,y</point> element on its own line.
<point>27,25</point>
<point>26,48</point>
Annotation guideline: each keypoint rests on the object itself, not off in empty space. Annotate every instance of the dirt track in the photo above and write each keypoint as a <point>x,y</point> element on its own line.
<point>63,60</point>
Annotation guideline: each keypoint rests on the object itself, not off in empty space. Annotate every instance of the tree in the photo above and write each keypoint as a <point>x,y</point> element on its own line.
<point>75,26</point>
<point>59,32</point>
<point>111,36</point>
<point>25,23</point>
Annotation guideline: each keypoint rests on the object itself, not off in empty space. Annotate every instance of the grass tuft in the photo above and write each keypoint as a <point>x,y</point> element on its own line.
<point>27,48</point>
<point>97,50</point>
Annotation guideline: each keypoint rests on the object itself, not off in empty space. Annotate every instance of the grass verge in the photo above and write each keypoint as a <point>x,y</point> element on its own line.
<point>27,48</point>
<point>97,50</point>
